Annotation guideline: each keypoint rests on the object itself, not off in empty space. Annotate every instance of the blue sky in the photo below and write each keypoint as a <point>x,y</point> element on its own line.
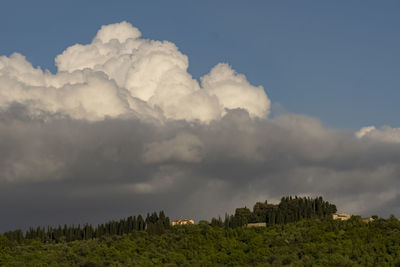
<point>337,61</point>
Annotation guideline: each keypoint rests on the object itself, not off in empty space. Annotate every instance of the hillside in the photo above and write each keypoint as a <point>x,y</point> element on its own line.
<point>312,242</point>
<point>302,236</point>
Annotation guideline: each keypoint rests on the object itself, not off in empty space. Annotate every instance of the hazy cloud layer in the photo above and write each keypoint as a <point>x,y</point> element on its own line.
<point>123,128</point>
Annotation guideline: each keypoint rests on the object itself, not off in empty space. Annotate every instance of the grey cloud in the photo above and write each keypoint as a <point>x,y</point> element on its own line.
<point>55,169</point>
<point>183,147</point>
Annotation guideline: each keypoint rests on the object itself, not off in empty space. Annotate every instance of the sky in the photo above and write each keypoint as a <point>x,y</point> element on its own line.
<point>337,61</point>
<point>113,109</point>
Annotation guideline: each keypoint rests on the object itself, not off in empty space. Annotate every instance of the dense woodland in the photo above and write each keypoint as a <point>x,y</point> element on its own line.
<point>299,232</point>
<point>288,210</point>
<point>154,223</point>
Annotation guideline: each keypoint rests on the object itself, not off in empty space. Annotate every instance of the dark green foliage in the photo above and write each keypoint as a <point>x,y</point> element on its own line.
<point>293,209</point>
<point>217,222</point>
<point>153,224</point>
<point>156,224</point>
<point>288,210</point>
<point>311,242</point>
<point>16,235</point>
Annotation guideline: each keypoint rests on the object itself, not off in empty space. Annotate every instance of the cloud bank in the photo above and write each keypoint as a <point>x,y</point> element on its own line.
<point>123,128</point>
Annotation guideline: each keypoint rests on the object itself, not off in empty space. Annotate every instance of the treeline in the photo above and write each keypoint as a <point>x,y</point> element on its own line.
<point>290,209</point>
<point>153,224</point>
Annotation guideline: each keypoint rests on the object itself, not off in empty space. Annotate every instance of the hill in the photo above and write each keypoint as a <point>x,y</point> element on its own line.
<point>314,241</point>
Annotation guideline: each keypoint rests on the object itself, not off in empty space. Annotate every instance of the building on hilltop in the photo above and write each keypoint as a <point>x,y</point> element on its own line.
<point>344,217</point>
<point>341,216</point>
<point>182,222</point>
<point>262,224</point>
<point>366,220</point>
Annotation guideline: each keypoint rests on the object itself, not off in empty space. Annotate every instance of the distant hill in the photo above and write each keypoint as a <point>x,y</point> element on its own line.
<point>296,239</point>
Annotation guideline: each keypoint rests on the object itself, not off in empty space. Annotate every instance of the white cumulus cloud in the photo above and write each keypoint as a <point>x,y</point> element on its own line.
<point>121,74</point>
<point>384,134</point>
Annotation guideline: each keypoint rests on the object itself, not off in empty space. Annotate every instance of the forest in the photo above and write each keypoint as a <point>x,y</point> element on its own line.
<point>299,232</point>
